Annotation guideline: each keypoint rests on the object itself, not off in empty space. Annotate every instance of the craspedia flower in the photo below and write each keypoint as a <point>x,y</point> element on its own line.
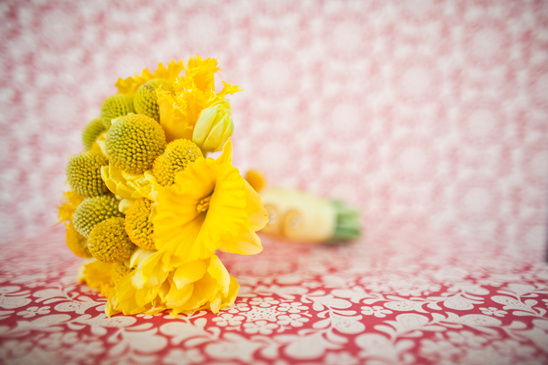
<point>77,243</point>
<point>84,174</point>
<point>108,241</point>
<point>94,210</point>
<point>91,131</point>
<point>138,226</point>
<point>116,106</point>
<point>176,157</point>
<point>133,143</point>
<point>146,102</point>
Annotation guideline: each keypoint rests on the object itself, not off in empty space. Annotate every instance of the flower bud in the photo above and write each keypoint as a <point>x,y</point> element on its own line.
<point>213,128</point>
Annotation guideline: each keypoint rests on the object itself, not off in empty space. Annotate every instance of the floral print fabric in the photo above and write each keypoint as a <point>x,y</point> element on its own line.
<point>395,297</point>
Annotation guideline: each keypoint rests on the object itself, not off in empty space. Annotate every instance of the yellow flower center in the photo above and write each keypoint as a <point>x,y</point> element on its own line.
<point>203,205</point>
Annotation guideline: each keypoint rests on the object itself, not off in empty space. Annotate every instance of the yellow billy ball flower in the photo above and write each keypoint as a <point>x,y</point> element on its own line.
<point>84,173</point>
<point>176,157</point>
<point>108,241</point>
<point>133,143</point>
<point>116,106</point>
<point>213,128</point>
<point>91,131</point>
<point>146,101</point>
<point>76,242</point>
<point>94,210</point>
<point>138,226</point>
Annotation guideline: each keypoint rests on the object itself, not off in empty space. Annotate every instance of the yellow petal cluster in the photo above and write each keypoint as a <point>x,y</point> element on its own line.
<point>164,209</point>
<point>130,85</point>
<point>152,288</point>
<point>98,275</point>
<point>180,109</point>
<point>70,201</point>
<point>128,186</point>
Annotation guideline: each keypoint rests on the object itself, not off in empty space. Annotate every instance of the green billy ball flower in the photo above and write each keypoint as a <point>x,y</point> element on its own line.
<point>108,241</point>
<point>146,102</point>
<point>91,131</point>
<point>93,211</point>
<point>84,174</point>
<point>116,106</point>
<point>176,157</point>
<point>133,142</point>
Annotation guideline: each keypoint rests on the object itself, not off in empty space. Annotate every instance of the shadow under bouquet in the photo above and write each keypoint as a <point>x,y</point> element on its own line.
<point>148,208</point>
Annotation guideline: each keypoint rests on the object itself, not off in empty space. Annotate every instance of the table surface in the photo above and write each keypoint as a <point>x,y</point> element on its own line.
<point>394,297</point>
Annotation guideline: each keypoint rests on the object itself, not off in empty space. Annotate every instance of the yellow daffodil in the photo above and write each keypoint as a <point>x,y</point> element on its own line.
<point>209,207</point>
<point>130,85</point>
<point>152,288</point>
<point>180,109</point>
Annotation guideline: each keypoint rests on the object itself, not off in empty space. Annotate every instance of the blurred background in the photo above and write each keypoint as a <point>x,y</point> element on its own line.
<point>430,114</point>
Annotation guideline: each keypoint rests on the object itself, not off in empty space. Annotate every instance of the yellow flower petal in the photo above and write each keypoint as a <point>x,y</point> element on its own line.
<point>68,206</point>
<point>246,243</point>
<point>131,84</point>
<point>178,297</point>
<point>98,275</point>
<point>219,272</point>
<point>226,155</point>
<point>189,273</point>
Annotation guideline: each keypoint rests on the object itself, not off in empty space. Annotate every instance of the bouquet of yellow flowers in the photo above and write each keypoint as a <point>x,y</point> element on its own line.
<point>148,208</point>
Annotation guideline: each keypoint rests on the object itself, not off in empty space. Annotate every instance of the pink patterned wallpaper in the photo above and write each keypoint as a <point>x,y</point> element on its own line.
<point>431,114</point>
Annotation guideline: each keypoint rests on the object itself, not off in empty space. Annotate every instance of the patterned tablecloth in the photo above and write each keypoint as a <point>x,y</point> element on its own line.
<point>396,297</point>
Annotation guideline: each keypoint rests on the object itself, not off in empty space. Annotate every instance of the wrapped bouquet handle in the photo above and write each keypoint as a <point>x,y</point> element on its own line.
<point>298,216</point>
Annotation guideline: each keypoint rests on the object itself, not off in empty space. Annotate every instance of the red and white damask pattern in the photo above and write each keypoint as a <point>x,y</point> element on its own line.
<point>424,113</point>
<point>397,297</point>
